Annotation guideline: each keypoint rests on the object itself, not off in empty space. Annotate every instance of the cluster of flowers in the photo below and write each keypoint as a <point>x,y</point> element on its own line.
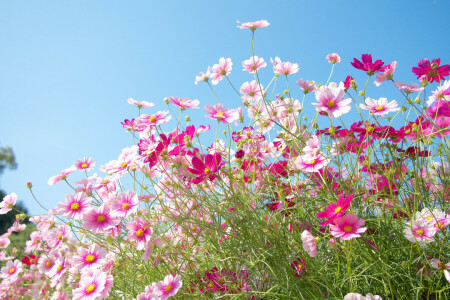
<point>249,216</point>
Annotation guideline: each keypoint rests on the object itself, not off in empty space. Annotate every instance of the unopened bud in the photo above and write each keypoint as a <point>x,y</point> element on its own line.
<point>29,185</point>
<point>353,84</point>
<point>285,92</point>
<point>187,118</point>
<point>224,132</point>
<point>417,101</point>
<point>362,93</point>
<point>403,108</point>
<point>166,101</point>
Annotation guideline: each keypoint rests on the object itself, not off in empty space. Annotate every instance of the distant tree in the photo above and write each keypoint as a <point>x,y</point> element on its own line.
<point>7,159</point>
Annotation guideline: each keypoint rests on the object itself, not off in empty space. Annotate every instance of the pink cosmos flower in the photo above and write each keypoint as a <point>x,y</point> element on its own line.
<point>84,164</point>
<point>441,93</point>
<point>333,58</point>
<point>253,64</point>
<point>11,270</point>
<point>253,25</point>
<point>312,146</point>
<point>337,210</point>
<point>56,236</point>
<point>348,227</point>
<point>439,265</point>
<point>420,231</point>
<point>4,242</point>
<point>284,68</point>
<point>356,296</point>
<point>367,65</point>
<point>92,257</point>
<point>203,77</point>
<point>75,206</point>
<point>153,120</point>
<point>90,288</point>
<point>210,165</point>
<point>61,176</point>
<point>309,243</point>
<point>307,86</point>
<point>168,287</point>
<point>380,107</point>
<point>140,104</point>
<point>184,103</point>
<point>139,231</point>
<point>220,70</point>
<point>252,91</point>
<point>221,113</point>
<point>387,74</point>
<point>8,203</point>
<point>98,220</point>
<point>409,88</point>
<point>431,70</point>
<point>309,164</point>
<point>125,204</point>
<point>331,100</point>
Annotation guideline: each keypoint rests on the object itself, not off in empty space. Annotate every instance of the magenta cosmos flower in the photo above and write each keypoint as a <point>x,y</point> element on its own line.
<point>12,269</point>
<point>380,107</point>
<point>125,204</point>
<point>387,74</point>
<point>99,220</point>
<point>253,25</point>
<point>210,165</point>
<point>331,100</point>
<point>348,227</point>
<point>337,210</point>
<point>220,70</point>
<point>431,70</point>
<point>253,64</point>
<point>168,287</point>
<point>309,243</point>
<point>8,202</point>
<point>367,65</point>
<point>84,164</point>
<point>221,113</point>
<point>75,206</point>
<point>153,120</point>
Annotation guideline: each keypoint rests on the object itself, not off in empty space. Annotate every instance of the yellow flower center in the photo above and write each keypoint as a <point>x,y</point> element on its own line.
<point>252,93</point>
<point>220,114</point>
<point>123,165</point>
<point>48,264</point>
<point>223,72</point>
<point>193,228</point>
<point>169,288</point>
<point>59,236</point>
<point>300,266</point>
<point>254,67</point>
<point>152,119</point>
<point>90,288</point>
<point>331,103</point>
<point>439,225</point>
<point>370,129</point>
<point>75,206</point>
<point>84,166</point>
<point>59,268</point>
<point>140,232</point>
<point>100,218</point>
<point>441,265</point>
<point>338,209</point>
<point>348,228</point>
<point>12,270</point>
<point>210,284</point>
<point>419,231</point>
<point>125,206</point>
<point>429,218</point>
<point>90,258</point>
<point>105,181</point>
<point>379,108</point>
<point>312,162</point>
<point>207,171</point>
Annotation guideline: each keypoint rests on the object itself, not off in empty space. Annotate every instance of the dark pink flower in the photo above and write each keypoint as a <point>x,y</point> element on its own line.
<point>432,70</point>
<point>367,65</point>
<point>208,167</point>
<point>334,211</point>
<point>348,227</point>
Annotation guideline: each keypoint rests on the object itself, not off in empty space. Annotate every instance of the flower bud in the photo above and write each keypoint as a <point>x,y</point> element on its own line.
<point>353,84</point>
<point>332,242</point>
<point>187,118</point>
<point>224,132</point>
<point>29,185</point>
<point>362,93</point>
<point>166,101</point>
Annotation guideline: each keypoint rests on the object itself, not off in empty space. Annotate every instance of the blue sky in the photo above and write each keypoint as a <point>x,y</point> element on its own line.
<point>67,68</point>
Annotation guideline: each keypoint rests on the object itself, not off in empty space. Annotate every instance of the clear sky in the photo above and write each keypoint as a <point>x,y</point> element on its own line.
<point>67,67</point>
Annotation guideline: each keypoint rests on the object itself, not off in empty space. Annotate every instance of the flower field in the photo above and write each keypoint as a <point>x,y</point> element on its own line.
<point>306,191</point>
